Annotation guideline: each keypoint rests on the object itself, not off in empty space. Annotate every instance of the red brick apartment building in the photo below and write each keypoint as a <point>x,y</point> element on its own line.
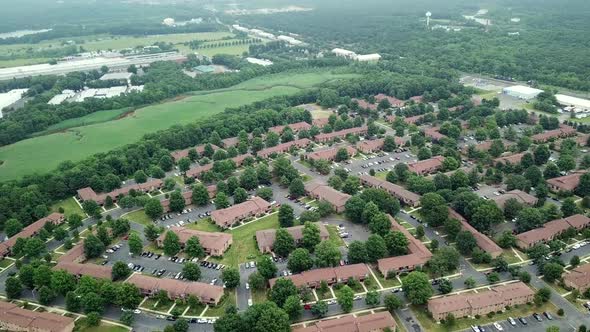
<point>29,231</point>
<point>197,171</point>
<point>578,278</point>
<point>481,303</point>
<point>214,243</point>
<point>88,194</point>
<point>323,138</point>
<point>511,159</point>
<point>177,155</point>
<point>15,318</point>
<point>266,238</point>
<point>331,275</point>
<point>405,196</point>
<point>177,289</point>
<point>565,183</point>
<point>378,321</point>
<point>295,127</point>
<point>188,197</point>
<point>551,230</point>
<point>365,105</point>
<point>483,242</point>
<point>427,166</point>
<point>394,102</point>
<point>375,145</point>
<point>329,154</point>
<point>561,132</point>
<point>283,148</point>
<point>516,194</point>
<point>324,192</point>
<point>418,254</point>
<point>253,207</point>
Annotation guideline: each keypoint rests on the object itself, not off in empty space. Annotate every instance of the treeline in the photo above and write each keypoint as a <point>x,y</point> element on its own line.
<point>28,199</point>
<point>163,80</point>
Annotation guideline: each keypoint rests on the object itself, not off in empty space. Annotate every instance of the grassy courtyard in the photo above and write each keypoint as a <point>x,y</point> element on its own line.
<point>139,217</point>
<point>205,225</point>
<point>69,206</point>
<point>228,299</point>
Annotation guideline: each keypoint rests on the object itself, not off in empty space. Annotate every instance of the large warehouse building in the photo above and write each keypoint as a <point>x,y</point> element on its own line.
<point>576,104</point>
<point>521,92</point>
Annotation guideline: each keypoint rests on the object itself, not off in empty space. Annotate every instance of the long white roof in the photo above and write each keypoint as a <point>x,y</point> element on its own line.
<point>10,97</point>
<point>573,101</point>
<point>523,89</point>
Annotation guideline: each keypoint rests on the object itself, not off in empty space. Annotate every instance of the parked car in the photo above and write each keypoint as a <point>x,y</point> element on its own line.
<point>522,320</point>
<point>537,317</point>
<point>498,326</point>
<point>547,315</point>
<point>511,321</point>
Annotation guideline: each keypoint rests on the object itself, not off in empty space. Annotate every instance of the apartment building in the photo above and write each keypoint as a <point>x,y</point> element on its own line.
<point>295,127</point>
<point>253,207</point>
<point>177,289</point>
<point>405,196</point>
<point>565,183</point>
<point>551,230</point>
<point>483,241</point>
<point>88,194</point>
<point>214,243</point>
<point>15,318</point>
<point>578,278</point>
<point>319,191</point>
<point>177,155</point>
<point>379,321</point>
<point>426,166</point>
<point>266,238</point>
<point>324,138</point>
<point>330,153</point>
<point>331,275</point>
<point>30,231</point>
<point>283,147</point>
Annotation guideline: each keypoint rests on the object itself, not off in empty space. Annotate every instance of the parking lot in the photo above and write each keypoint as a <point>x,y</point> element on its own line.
<point>159,266</point>
<point>516,324</point>
<point>383,161</point>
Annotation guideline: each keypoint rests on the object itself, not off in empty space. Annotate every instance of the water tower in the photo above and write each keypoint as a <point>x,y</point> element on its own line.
<point>428,14</point>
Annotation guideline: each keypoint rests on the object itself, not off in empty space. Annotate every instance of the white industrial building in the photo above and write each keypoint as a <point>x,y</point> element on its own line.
<point>368,57</point>
<point>260,62</point>
<point>88,64</point>
<point>289,40</point>
<point>358,57</point>
<point>10,97</point>
<point>521,92</point>
<point>118,76</point>
<point>79,96</point>
<point>344,53</point>
<point>575,104</point>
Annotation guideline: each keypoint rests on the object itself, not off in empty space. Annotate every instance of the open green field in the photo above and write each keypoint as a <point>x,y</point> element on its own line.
<point>70,207</point>
<point>92,118</point>
<point>139,217</point>
<point>104,328</point>
<point>44,153</point>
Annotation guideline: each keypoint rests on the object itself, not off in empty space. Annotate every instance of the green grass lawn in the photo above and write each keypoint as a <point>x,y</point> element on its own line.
<point>70,207</point>
<point>44,153</point>
<point>150,303</point>
<point>258,296</point>
<point>219,310</point>
<point>386,283</point>
<point>164,305</point>
<point>244,246</point>
<point>139,217</point>
<point>205,225</point>
<point>464,323</point>
<point>4,263</point>
<point>334,237</point>
<point>195,311</point>
<point>104,328</point>
<point>92,118</point>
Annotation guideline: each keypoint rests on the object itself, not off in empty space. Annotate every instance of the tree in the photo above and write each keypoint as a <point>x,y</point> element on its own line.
<point>92,302</point>
<point>552,271</point>
<point>319,309</point>
<point>249,179</point>
<point>419,232</point>
<point>575,261</point>
<point>153,208</point>
<point>193,247</point>
<point>469,282</point>
<point>221,201</point>
<point>231,277</point>
<point>392,302</point>
<point>529,218</point>
<point>327,254</point>
<point>284,243</point>
<point>266,267</point>
<point>357,252</point>
<point>372,299</point>
<point>46,295</point>
<point>293,307</point>
<point>120,271</point>
<point>73,302</point>
<point>34,247</point>
<point>445,286</point>
<point>176,201</point>
<point>465,242</point>
<point>128,296</point>
<point>543,295</point>
<point>452,228</point>
<point>93,247</point>
<point>345,298</point>
<point>583,188</point>
<point>397,243</point>
<point>380,224</point>
<point>12,227</point>
<point>569,207</point>
<point>191,271</point>
<point>417,287</point>
<point>103,235</point>
<point>135,244</point>
<point>282,289</point>
<point>265,193</point>
<point>171,244</point>
<point>341,155</point>
<point>311,236</point>
<point>62,282</point>
<point>325,208</point>
<point>354,209</point>
<point>486,215</point>
<point>13,288</point>
<point>351,185</point>
<point>378,248</point>
<point>257,281</point>
<point>566,162</point>
<point>524,276</point>
<point>74,221</point>
<point>434,209</point>
<point>151,232</point>
<point>286,217</point>
<point>297,188</point>
<point>200,195</point>
<point>300,260</point>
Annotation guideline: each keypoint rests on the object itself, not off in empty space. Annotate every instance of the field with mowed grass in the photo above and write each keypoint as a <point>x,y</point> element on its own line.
<point>44,153</point>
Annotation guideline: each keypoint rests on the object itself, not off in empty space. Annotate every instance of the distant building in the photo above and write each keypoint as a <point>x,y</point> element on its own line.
<point>30,231</point>
<point>88,194</point>
<point>295,127</point>
<point>323,138</point>
<point>254,207</point>
<point>330,154</point>
<point>214,243</point>
<point>179,154</point>
<point>324,192</point>
<point>283,147</point>
<point>379,321</point>
<point>521,92</point>
<point>374,57</point>
<point>576,104</point>
<point>513,159</point>
<point>10,98</point>
<point>578,278</point>
<point>260,62</point>
<point>479,304</point>
<point>565,183</point>
<point>483,241</point>
<point>394,102</point>
<point>205,69</point>
<point>516,194</point>
<point>15,318</point>
<point>331,275</point>
<point>405,196</point>
<point>266,238</point>
<point>551,230</point>
<point>344,53</point>
<point>426,166</point>
<point>561,132</point>
<point>117,76</point>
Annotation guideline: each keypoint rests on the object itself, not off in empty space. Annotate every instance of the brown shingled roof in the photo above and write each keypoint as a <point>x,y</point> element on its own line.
<point>341,134</point>
<point>13,315</point>
<point>367,323</point>
<point>330,154</point>
<point>295,127</point>
<point>177,155</point>
<point>427,165</point>
<point>210,241</point>
<point>568,182</point>
<point>266,238</point>
<point>228,216</point>
<point>283,147</point>
<point>177,289</point>
<point>29,231</point>
<point>519,195</point>
<point>549,230</point>
<point>483,241</point>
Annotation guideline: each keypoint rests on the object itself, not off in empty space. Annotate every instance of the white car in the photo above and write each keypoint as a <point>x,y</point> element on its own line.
<point>330,302</point>
<point>247,286</point>
<point>137,311</point>
<point>201,321</point>
<point>357,297</point>
<point>249,302</point>
<point>498,326</point>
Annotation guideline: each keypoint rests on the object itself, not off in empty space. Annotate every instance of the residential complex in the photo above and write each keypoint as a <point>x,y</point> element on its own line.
<point>513,159</point>
<point>417,255</point>
<point>426,166</point>
<point>405,196</point>
<point>330,153</point>
<point>88,194</point>
<point>15,318</point>
<point>394,102</point>
<point>200,149</point>
<point>578,278</point>
<point>551,230</point>
<point>320,191</point>
<point>176,289</point>
<point>253,207</point>
<point>331,275</point>
<point>561,132</point>
<point>197,171</point>
<point>480,303</point>
<point>375,145</point>
<point>283,147</point>
<point>29,231</point>
<point>379,321</point>
<point>483,241</point>
<point>565,183</point>
<point>295,127</point>
<point>323,138</point>
<point>519,195</point>
<point>266,238</point>
<point>214,243</point>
